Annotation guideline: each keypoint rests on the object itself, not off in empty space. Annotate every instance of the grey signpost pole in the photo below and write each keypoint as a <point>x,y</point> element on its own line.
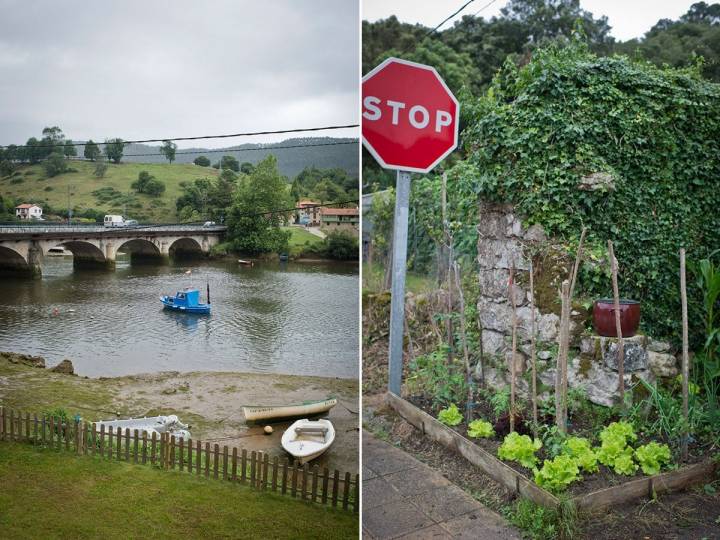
<point>399,263</point>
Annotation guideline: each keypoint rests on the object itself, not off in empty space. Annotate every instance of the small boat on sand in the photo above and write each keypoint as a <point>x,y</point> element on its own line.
<point>306,408</point>
<point>152,424</point>
<point>307,439</point>
<point>186,301</point>
<point>245,263</point>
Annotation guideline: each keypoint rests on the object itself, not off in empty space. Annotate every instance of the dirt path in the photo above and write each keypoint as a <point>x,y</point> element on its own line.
<point>211,402</point>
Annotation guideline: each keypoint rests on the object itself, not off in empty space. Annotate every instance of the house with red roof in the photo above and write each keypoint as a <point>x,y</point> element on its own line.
<point>28,211</point>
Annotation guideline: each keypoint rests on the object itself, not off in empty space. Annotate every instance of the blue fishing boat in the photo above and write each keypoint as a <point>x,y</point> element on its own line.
<point>187,301</point>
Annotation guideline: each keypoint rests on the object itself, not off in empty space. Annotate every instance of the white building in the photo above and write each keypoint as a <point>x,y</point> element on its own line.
<point>28,211</point>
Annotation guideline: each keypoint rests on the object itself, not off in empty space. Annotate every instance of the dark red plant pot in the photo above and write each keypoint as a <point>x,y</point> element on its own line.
<point>604,317</point>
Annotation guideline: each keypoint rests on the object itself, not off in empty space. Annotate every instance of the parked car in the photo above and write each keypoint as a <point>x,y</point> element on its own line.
<point>131,223</point>
<point>209,224</point>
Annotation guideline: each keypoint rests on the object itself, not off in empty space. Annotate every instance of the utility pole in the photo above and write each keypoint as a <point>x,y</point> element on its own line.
<point>69,189</point>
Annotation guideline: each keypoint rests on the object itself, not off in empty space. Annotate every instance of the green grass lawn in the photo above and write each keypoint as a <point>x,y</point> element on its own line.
<point>32,185</point>
<point>301,240</point>
<point>49,494</point>
<point>414,283</point>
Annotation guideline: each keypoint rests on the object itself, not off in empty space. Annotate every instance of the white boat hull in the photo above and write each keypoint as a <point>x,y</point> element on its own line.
<point>288,411</point>
<point>158,424</point>
<point>304,446</point>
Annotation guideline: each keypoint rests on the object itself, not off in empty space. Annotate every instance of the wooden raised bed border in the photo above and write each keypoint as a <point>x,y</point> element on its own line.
<point>514,481</point>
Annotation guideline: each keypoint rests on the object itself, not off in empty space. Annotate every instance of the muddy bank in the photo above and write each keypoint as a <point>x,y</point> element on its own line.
<point>211,402</point>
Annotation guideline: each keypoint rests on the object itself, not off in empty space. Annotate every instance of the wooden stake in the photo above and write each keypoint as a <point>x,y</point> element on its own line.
<point>561,369</point>
<point>685,354</point>
<point>463,337</point>
<point>533,331</point>
<point>618,329</point>
<point>448,246</point>
<point>511,294</point>
<point>576,266</point>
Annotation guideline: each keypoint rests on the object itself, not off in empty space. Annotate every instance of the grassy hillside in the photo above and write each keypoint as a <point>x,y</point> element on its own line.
<point>110,194</point>
<point>85,497</point>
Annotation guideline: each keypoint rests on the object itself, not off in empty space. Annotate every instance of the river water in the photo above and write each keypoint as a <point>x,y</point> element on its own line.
<point>275,317</point>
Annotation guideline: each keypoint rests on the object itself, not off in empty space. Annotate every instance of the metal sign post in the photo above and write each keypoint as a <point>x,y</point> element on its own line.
<point>410,124</point>
<point>399,264</point>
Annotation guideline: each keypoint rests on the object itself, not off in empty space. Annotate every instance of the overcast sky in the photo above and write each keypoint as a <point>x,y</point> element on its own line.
<point>154,69</point>
<point>628,18</point>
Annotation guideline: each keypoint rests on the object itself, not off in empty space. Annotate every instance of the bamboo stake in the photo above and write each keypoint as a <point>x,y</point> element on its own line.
<point>685,354</point>
<point>533,331</point>
<point>560,418</point>
<point>576,266</point>
<point>511,293</point>
<point>618,329</point>
<point>448,246</point>
<point>463,337</point>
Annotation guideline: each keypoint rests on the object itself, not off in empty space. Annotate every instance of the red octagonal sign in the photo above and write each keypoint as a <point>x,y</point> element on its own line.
<point>410,116</point>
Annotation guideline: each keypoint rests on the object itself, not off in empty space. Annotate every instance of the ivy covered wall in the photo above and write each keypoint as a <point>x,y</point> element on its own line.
<point>629,150</point>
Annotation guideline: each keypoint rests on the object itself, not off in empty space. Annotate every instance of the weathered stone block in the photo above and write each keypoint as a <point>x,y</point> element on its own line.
<point>662,364</point>
<point>493,342</point>
<point>597,181</point>
<point>492,225</point>
<point>658,346</point>
<point>494,316</point>
<point>501,254</point>
<point>518,365</point>
<point>635,356</point>
<point>535,233</point>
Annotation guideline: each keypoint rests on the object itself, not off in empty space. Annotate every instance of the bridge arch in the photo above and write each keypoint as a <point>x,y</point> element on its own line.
<point>140,250</point>
<point>86,255</point>
<point>13,263</point>
<point>186,248</point>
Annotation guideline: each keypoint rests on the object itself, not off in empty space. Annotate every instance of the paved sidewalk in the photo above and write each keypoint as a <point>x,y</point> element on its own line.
<point>404,498</point>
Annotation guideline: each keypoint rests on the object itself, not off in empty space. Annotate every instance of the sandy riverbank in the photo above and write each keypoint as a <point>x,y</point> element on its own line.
<point>210,401</point>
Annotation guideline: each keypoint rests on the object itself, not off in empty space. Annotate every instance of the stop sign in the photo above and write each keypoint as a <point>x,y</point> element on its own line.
<point>409,116</point>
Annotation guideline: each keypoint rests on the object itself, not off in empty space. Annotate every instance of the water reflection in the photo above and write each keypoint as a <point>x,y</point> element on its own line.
<point>272,317</point>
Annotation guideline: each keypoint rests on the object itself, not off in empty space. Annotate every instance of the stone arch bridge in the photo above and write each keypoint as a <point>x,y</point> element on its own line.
<point>23,247</point>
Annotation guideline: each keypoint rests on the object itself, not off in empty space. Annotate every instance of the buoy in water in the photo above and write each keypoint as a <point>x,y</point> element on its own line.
<point>268,430</point>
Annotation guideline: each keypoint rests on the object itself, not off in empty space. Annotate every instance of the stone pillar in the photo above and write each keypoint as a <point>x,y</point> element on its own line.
<point>35,257</point>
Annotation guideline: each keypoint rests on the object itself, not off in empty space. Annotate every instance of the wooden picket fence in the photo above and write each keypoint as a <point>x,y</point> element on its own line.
<point>253,469</point>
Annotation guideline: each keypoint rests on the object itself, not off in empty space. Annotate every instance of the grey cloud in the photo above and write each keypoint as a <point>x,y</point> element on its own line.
<point>137,69</point>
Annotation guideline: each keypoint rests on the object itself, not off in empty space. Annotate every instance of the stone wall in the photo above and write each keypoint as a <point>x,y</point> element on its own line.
<point>592,365</point>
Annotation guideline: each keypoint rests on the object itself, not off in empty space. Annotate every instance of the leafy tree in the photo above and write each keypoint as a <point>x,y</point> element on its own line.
<point>69,150</point>
<point>229,162</point>
<point>92,151</point>
<point>114,149</point>
<point>341,245</point>
<point>55,164</point>
<point>30,152</point>
<point>254,225</point>
<point>202,161</point>
<point>168,149</point>
<point>101,168</point>
<point>246,167</point>
<point>7,167</point>
<point>148,184</point>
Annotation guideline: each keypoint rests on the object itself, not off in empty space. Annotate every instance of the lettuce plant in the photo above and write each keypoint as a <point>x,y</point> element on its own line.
<point>580,450</point>
<point>480,428</point>
<point>519,448</point>
<point>614,451</point>
<point>624,463</point>
<point>558,473</point>
<point>450,416</point>
<point>652,456</point>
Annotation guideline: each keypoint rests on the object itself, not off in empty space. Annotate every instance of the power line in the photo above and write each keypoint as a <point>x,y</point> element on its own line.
<point>447,19</point>
<point>227,136</point>
<point>227,150</point>
<point>466,4</point>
